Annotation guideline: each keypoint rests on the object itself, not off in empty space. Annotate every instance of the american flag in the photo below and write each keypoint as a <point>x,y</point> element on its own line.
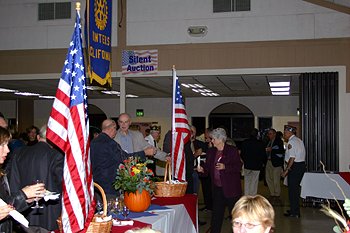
<point>139,53</point>
<point>68,128</point>
<point>181,131</point>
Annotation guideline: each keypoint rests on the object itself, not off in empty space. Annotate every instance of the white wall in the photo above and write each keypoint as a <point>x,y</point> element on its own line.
<point>21,29</point>
<point>166,22</point>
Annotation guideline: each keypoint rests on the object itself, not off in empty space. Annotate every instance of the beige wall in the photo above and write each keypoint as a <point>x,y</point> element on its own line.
<point>293,53</point>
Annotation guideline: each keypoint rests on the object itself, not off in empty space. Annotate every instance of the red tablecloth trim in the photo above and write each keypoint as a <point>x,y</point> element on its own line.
<point>345,176</point>
<point>189,200</point>
<point>137,224</point>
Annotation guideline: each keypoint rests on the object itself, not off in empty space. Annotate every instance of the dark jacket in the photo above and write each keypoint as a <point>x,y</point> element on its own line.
<point>39,162</point>
<point>277,153</point>
<point>253,154</point>
<point>18,199</point>
<point>231,175</point>
<point>106,155</point>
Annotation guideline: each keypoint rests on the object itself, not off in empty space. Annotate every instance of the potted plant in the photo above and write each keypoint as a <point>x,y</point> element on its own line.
<point>134,178</point>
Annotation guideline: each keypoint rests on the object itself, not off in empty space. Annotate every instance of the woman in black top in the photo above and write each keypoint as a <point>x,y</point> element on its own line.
<point>20,200</point>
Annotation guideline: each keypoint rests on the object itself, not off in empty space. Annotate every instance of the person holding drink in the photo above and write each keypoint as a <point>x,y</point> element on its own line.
<point>20,200</point>
<point>39,163</point>
<point>224,166</point>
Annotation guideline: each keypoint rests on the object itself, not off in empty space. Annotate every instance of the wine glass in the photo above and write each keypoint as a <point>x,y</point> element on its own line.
<point>99,206</point>
<point>37,206</point>
<point>125,212</point>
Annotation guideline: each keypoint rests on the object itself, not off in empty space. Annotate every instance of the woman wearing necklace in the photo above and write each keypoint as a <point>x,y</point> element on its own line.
<point>224,166</point>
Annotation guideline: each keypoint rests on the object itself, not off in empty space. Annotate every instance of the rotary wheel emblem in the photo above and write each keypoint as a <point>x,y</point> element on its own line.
<point>101,13</point>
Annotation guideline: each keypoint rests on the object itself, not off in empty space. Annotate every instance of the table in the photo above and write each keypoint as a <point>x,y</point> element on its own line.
<point>190,201</point>
<point>122,229</point>
<point>169,215</point>
<point>322,185</point>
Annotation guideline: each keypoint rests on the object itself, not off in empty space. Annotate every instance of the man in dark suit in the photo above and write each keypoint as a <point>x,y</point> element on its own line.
<point>39,162</point>
<point>106,155</point>
<point>253,155</point>
<point>275,160</point>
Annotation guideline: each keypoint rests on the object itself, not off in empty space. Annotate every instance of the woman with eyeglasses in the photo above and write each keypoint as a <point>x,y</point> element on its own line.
<point>20,200</point>
<point>252,214</point>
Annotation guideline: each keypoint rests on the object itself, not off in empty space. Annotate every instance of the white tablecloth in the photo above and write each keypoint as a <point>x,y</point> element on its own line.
<point>172,220</point>
<point>320,186</point>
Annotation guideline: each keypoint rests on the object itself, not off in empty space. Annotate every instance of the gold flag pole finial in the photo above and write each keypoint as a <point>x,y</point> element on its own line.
<point>173,66</point>
<point>77,6</point>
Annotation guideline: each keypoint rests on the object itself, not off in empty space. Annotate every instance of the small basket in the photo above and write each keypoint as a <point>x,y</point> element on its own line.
<point>96,227</point>
<point>164,189</point>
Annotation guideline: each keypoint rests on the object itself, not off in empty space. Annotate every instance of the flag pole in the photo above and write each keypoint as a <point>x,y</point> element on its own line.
<point>173,123</point>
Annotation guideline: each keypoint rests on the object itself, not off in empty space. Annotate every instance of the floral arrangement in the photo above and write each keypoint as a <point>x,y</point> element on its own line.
<point>133,175</point>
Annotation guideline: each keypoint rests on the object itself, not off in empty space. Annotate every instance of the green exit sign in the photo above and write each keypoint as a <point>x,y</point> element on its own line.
<point>139,112</point>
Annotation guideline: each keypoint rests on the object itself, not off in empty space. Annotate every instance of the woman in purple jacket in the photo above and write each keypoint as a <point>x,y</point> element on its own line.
<point>223,164</point>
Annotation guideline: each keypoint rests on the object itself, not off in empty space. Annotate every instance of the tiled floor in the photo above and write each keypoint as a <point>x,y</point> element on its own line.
<point>312,219</point>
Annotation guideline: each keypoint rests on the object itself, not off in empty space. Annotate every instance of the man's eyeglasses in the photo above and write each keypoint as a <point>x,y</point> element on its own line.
<point>246,225</point>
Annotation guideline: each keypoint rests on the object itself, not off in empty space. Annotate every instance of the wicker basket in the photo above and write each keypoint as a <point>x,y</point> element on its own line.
<point>164,189</point>
<point>96,227</point>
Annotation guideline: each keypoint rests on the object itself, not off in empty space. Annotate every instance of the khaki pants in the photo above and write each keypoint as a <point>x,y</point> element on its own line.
<point>251,180</point>
<point>273,177</point>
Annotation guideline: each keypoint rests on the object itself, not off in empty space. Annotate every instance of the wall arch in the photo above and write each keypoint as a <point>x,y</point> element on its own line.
<point>235,117</point>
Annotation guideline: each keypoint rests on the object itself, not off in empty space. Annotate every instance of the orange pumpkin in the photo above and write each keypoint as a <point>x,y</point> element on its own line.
<point>137,202</point>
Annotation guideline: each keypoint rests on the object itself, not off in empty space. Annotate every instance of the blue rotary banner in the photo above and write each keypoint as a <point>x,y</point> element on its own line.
<point>98,35</point>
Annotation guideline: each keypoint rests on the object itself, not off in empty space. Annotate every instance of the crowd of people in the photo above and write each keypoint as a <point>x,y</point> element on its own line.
<point>30,166</point>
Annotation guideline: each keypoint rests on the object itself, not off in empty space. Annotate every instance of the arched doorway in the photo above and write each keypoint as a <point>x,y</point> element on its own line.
<point>236,118</point>
<point>96,115</point>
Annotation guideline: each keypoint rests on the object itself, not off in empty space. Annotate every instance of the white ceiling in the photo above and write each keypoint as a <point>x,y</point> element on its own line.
<point>161,87</point>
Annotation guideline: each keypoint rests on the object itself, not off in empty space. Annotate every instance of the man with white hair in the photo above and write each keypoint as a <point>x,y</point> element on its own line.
<point>107,154</point>
<point>153,139</point>
<point>295,169</point>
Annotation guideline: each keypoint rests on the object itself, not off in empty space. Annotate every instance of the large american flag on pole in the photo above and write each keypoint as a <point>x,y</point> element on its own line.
<point>68,128</point>
<point>181,131</point>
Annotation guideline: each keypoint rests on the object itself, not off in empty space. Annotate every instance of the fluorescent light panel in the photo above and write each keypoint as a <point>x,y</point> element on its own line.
<point>274,89</point>
<point>280,93</point>
<point>111,92</point>
<point>27,94</point>
<point>279,84</point>
<point>131,96</point>
<point>6,90</point>
<point>46,96</point>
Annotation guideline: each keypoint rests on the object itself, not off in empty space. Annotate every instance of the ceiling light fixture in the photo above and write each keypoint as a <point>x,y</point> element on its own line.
<point>197,31</point>
<point>111,92</point>
<point>27,94</point>
<point>95,88</point>
<point>199,85</point>
<point>280,93</point>
<point>279,84</point>
<point>46,96</point>
<point>6,90</point>
<point>274,89</point>
<point>131,96</point>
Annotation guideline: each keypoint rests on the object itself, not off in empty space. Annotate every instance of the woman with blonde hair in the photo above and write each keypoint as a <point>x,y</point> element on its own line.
<point>252,214</point>
<point>19,200</point>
